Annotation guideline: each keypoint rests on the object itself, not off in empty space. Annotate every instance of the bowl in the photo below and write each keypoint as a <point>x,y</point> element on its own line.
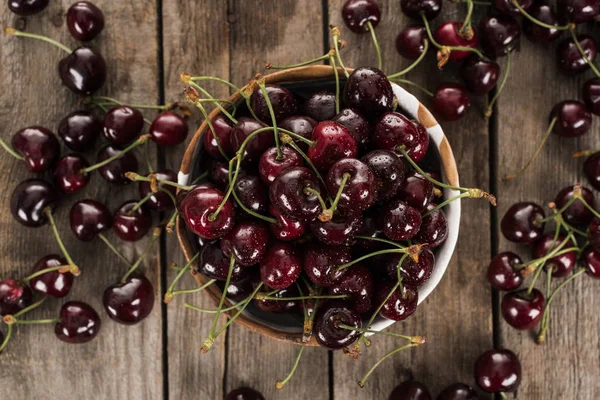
<point>288,328</point>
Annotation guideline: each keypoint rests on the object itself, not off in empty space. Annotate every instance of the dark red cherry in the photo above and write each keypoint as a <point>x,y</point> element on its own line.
<point>327,328</point>
<point>394,129</point>
<point>414,8</point>
<point>198,208</point>
<point>84,21</point>
<point>14,296</point>
<point>401,304</point>
<point>578,11</point>
<point>359,191</point>
<point>223,129</point>
<point>320,106</point>
<point>458,391</point>
<point>255,146</point>
<point>38,146</point>
<point>451,101</point>
<point>522,310</point>
<point>252,192</point>
<point>356,14</point>
<point>83,71</point>
<point>300,125</point>
<point>281,266</point>
<point>591,95</point>
<point>332,142</point>
<point>29,200</point>
<point>576,214</point>
<point>416,191</point>
<point>132,225</point>
<point>238,291</point>
<point>25,8</point>
<point>357,124</point>
<point>389,172</point>
<point>122,124</point>
<point>131,301</point>
<point>498,371</point>
<point>371,229</point>
<point>413,273</point>
<point>214,264</point>
<point>339,230</point>
<point>279,306</point>
<point>287,193</point>
<point>67,173</point>
<point>286,229</point>
<point>594,233</point>
<point>499,35</point>
<point>448,34</point>
<point>570,59</point>
<point>572,118</point>
<point>169,129</point>
<point>410,390</point>
<point>88,218</point>
<point>320,264</point>
<point>591,261</point>
<point>159,201</point>
<point>244,393</point>
<point>519,224</point>
<point>434,228</point>
<point>114,172</point>
<point>410,42</point>
<point>507,7</point>
<point>502,273</point>
<point>561,265</point>
<point>53,284</point>
<point>79,323</point>
<point>79,130</point>
<point>399,221</point>
<point>539,34</point>
<point>480,76</point>
<point>247,241</point>
<point>282,100</point>
<point>591,169</point>
<point>270,167</point>
<point>218,173</point>
<point>368,90</point>
<point>358,284</point>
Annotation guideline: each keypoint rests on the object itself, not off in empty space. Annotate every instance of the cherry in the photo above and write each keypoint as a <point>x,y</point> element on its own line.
<point>320,264</point>
<point>507,7</point>
<point>122,124</point>
<point>270,167</point>
<point>479,75</point>
<point>132,225</point>
<point>79,323</point>
<point>244,393</point>
<point>410,42</point>
<point>255,146</point>
<point>198,209</point>
<point>332,142</point>
<point>238,291</point>
<point>114,172</point>
<point>327,328</point>
<point>410,390</point>
<point>339,230</point>
<point>88,218</point>
<point>321,105</point>
<point>85,21</point>
<point>357,124</point>
<point>83,71</point>
<point>539,34</point>
<point>523,310</point>
<point>498,371</point>
<point>29,200</point>
<point>368,90</point>
<point>247,241</point>
<point>358,192</point>
<point>38,147</point>
<point>68,175</point>
<point>288,194</point>
<point>594,233</point>
<point>591,169</point>
<point>448,34</point>
<point>25,8</point>
<point>281,266</point>
<point>358,284</point>
<point>168,129</point>
<point>434,228</point>
<point>399,221</point>
<point>458,391</point>
<point>286,229</point>
<point>591,260</point>
<point>520,223</point>
<point>159,201</point>
<point>357,14</point>
<point>394,129</point>
<point>14,296</point>
<point>502,273</point>
<point>279,306</point>
<point>401,304</point>
<point>131,301</point>
<point>389,172</point>
<point>218,173</point>
<point>414,8</point>
<point>499,35</point>
<point>416,191</point>
<point>222,128</point>
<point>572,118</point>
<point>371,229</point>
<point>214,264</point>
<point>570,59</point>
<point>561,265</point>
<point>300,125</point>
<point>578,11</point>
<point>576,214</point>
<point>451,101</point>
<point>282,100</point>
<point>79,130</point>
<point>252,193</point>
<point>53,284</point>
<point>591,95</point>
<point>413,273</point>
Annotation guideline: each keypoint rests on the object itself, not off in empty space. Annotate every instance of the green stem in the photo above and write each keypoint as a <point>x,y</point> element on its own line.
<point>140,203</point>
<point>379,240</point>
<point>114,249</point>
<point>37,321</point>
<point>9,333</point>
<point>452,48</point>
<point>537,21</point>
<point>207,311</point>
<point>281,383</point>
<point>195,290</point>
<point>147,158</point>
<point>11,151</point>
<point>582,52</point>
<point>297,298</point>
<point>467,22</point>
<point>414,64</point>
<point>338,56</point>
<point>411,83</point>
<point>327,213</point>
<point>137,178</point>
<point>301,64</point>
<point>425,175</point>
<point>337,83</point>
<point>14,32</point>
<point>63,249</point>
<point>445,203</point>
<point>375,253</point>
<point>590,208</point>
<point>384,333</point>
<point>140,106</point>
<point>141,140</point>
<point>308,162</point>
<point>376,43</point>
<point>222,300</point>
<point>46,271</point>
<point>212,129</point>
<point>245,208</point>
<point>240,310</point>
<point>539,149</point>
<point>30,307</point>
<point>135,266</point>
<point>217,102</point>
<point>309,190</point>
<point>362,382</point>
<point>490,106</point>
<point>263,90</point>
<point>185,269</point>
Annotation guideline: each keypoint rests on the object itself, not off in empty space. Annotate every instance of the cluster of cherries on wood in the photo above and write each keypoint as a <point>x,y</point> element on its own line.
<point>34,200</point>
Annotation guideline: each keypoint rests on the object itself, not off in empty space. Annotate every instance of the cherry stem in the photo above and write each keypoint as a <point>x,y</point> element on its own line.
<point>37,321</point>
<point>140,203</point>
<point>384,333</point>
<point>327,213</point>
<point>11,151</point>
<point>411,83</point>
<point>414,64</point>
<point>309,190</point>
<point>114,249</point>
<point>582,52</point>
<point>216,102</point>
<point>537,152</point>
<point>590,208</point>
<point>376,43</point>
<point>9,333</point>
<point>207,311</point>
<point>375,253</point>
<point>537,21</point>
<point>171,223</point>
<point>467,22</point>
<point>335,34</point>
<point>141,140</point>
<point>295,136</point>
<point>63,269</point>
<point>306,159</point>
<point>63,249</point>
<point>140,106</point>
<point>300,64</point>
<point>155,236</point>
<point>488,112</point>
<point>31,307</point>
<point>14,32</point>
<point>380,240</point>
<point>445,203</point>
<point>362,382</point>
<point>195,290</point>
<point>337,83</point>
<point>262,296</point>
<point>263,90</point>
<point>559,212</point>
<point>281,383</point>
<point>451,48</point>
<point>584,153</point>
<point>503,395</point>
<point>134,176</point>
<point>240,310</point>
<point>208,343</point>
<point>188,267</point>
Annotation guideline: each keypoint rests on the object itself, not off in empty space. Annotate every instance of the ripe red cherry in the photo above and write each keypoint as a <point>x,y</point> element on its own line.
<point>413,273</point>
<point>279,306</point>
<point>578,11</point>
<point>222,128</point>
<point>122,124</point>
<point>14,296</point>
<point>410,42</point>
<point>498,371</point>
<point>448,34</point>
<point>458,391</point>
<point>252,193</point>
<point>255,146</point>
<point>394,129</point>
<point>591,260</point>
<point>499,35</point>
<point>521,310</point>
<point>359,191</point>
<point>68,176</point>
<point>368,90</point>
<point>539,34</point>
<point>159,201</point>
<point>572,118</point>
<point>25,8</point>
<point>287,193</point>
<point>244,393</point>
<point>570,59</point>
<point>332,142</point>
<point>399,221</point>
<point>238,291</point>
<point>286,229</point>
<point>594,233</point>
<point>434,228</point>
<point>507,7</point>
<point>88,218</point>
<point>198,207</point>
<point>131,225</point>
<point>53,284</point>
<point>501,272</point>
<point>281,266</point>
<point>356,14</point>
<point>358,284</point>
<point>480,76</point>
<point>561,265</point>
<point>410,390</point>
<point>576,214</point>
<point>416,191</point>
<point>114,172</point>
<point>389,172</point>
<point>320,106</point>
<point>218,173</point>
<point>327,325</point>
<point>270,167</point>
<point>282,100</point>
<point>451,101</point>
<point>247,241</point>
<point>83,71</point>
<point>38,146</point>
<point>320,264</point>
<point>215,265</point>
<point>29,200</point>
<point>79,130</point>
<point>79,323</point>
<point>401,304</point>
<point>519,224</point>
<point>300,125</point>
<point>169,129</point>
<point>357,124</point>
<point>591,169</point>
<point>84,21</point>
<point>131,301</point>
<point>341,229</point>
<point>414,8</point>
<point>591,95</point>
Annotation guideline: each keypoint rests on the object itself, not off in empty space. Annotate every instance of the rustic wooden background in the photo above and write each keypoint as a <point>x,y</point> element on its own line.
<point>147,45</point>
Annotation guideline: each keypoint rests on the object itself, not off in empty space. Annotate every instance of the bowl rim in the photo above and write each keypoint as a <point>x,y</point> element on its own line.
<point>410,104</point>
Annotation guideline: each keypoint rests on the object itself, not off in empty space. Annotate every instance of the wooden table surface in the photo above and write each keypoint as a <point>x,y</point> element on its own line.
<point>147,45</point>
